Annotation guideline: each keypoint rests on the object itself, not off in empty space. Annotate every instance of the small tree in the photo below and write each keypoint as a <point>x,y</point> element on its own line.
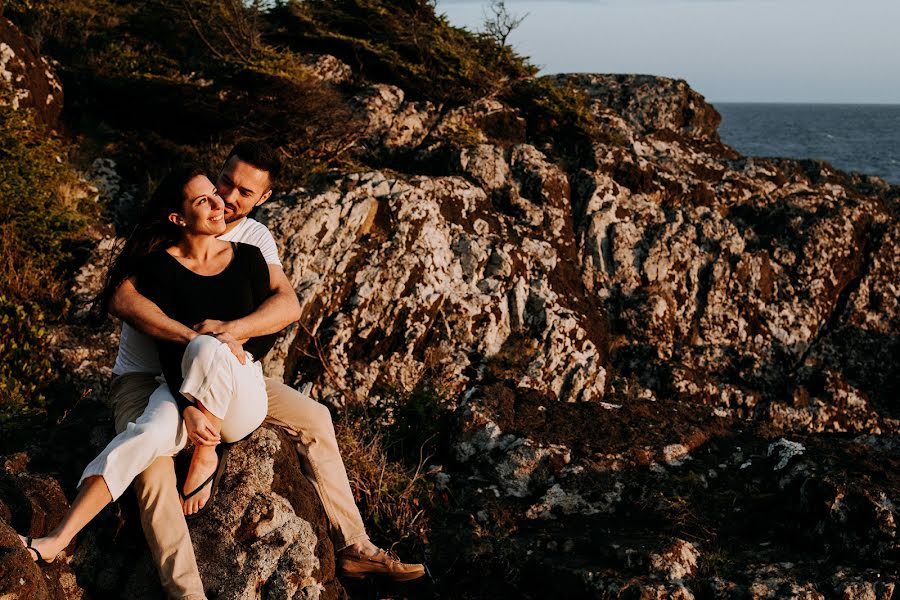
<point>227,27</point>
<point>499,22</point>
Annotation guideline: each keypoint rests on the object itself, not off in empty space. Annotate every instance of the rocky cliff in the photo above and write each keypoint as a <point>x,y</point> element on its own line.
<point>673,367</point>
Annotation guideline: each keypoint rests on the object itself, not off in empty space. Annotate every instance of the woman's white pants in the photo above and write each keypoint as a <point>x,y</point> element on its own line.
<point>213,376</point>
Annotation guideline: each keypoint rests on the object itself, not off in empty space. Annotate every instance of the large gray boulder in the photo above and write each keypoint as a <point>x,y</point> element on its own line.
<point>649,103</point>
<point>264,535</point>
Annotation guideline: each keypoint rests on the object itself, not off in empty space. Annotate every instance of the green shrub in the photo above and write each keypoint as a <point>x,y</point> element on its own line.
<point>386,447</point>
<point>402,42</point>
<point>41,217</point>
<point>558,118</point>
<point>414,422</point>
<point>462,136</point>
<point>157,83</point>
<point>25,368</point>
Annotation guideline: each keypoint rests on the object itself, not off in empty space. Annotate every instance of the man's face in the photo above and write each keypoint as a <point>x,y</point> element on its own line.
<point>243,187</point>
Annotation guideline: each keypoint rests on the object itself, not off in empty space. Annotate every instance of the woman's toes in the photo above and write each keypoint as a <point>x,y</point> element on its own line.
<point>39,550</point>
<point>198,484</point>
<point>193,505</point>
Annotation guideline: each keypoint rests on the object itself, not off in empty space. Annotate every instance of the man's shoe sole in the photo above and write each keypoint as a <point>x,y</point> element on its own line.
<point>397,578</point>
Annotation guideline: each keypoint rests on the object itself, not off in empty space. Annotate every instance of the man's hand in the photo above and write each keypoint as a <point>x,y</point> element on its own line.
<point>234,345</point>
<point>211,327</point>
<point>200,430</point>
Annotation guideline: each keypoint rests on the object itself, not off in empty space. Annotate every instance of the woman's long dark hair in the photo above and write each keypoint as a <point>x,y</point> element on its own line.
<point>153,232</point>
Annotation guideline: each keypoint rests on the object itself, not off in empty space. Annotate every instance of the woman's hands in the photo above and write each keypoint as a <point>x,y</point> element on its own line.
<point>200,430</point>
<point>235,346</point>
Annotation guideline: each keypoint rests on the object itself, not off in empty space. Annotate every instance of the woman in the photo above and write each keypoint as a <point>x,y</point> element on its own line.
<point>213,389</point>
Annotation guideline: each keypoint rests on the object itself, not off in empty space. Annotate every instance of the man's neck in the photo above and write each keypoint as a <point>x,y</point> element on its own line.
<point>229,227</point>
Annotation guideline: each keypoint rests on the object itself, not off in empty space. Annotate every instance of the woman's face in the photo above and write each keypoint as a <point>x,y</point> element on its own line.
<point>203,211</point>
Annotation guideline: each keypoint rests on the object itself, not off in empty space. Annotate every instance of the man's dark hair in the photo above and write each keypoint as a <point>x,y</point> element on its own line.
<point>260,155</point>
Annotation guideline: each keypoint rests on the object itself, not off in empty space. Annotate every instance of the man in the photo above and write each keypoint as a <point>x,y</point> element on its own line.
<point>244,183</point>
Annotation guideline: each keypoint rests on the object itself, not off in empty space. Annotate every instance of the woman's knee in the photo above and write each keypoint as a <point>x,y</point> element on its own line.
<point>241,423</point>
<point>201,348</point>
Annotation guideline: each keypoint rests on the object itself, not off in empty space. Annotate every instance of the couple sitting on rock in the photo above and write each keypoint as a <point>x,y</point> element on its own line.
<point>202,294</point>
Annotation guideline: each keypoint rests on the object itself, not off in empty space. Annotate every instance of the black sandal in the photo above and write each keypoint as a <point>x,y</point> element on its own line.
<point>37,553</point>
<point>200,487</point>
<point>214,478</point>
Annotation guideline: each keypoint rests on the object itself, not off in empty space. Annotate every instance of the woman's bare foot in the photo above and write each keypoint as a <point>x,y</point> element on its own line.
<point>45,548</point>
<point>203,466</point>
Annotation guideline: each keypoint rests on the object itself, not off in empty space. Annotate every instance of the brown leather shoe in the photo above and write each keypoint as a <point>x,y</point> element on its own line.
<point>354,565</point>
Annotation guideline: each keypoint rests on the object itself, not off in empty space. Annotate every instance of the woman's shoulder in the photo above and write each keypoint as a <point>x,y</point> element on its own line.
<point>154,272</point>
<point>154,260</point>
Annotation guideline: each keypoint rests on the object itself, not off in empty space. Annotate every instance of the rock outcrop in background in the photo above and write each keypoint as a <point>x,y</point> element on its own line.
<point>26,76</point>
<point>673,367</point>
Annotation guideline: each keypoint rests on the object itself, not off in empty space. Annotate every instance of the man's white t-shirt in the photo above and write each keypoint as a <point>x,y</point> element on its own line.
<point>137,351</point>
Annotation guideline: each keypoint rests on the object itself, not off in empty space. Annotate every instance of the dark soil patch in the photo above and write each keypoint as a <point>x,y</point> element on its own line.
<point>638,430</point>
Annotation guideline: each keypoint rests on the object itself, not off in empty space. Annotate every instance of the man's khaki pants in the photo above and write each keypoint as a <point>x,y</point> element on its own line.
<point>306,421</point>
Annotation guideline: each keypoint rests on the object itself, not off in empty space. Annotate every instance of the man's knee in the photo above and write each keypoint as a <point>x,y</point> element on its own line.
<point>321,416</point>
<point>319,425</point>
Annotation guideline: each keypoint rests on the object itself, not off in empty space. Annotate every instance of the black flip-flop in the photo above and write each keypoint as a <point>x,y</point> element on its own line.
<point>214,478</point>
<point>37,553</point>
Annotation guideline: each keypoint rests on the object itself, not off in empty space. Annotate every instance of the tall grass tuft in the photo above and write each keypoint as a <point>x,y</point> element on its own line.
<point>390,448</point>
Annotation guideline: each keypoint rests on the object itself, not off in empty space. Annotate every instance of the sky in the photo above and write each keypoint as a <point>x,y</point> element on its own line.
<point>828,51</point>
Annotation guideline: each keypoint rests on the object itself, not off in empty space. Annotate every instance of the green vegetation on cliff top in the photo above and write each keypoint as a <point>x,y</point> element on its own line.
<point>158,82</point>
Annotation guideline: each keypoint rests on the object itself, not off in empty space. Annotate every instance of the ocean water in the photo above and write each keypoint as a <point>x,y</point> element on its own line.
<point>852,137</point>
